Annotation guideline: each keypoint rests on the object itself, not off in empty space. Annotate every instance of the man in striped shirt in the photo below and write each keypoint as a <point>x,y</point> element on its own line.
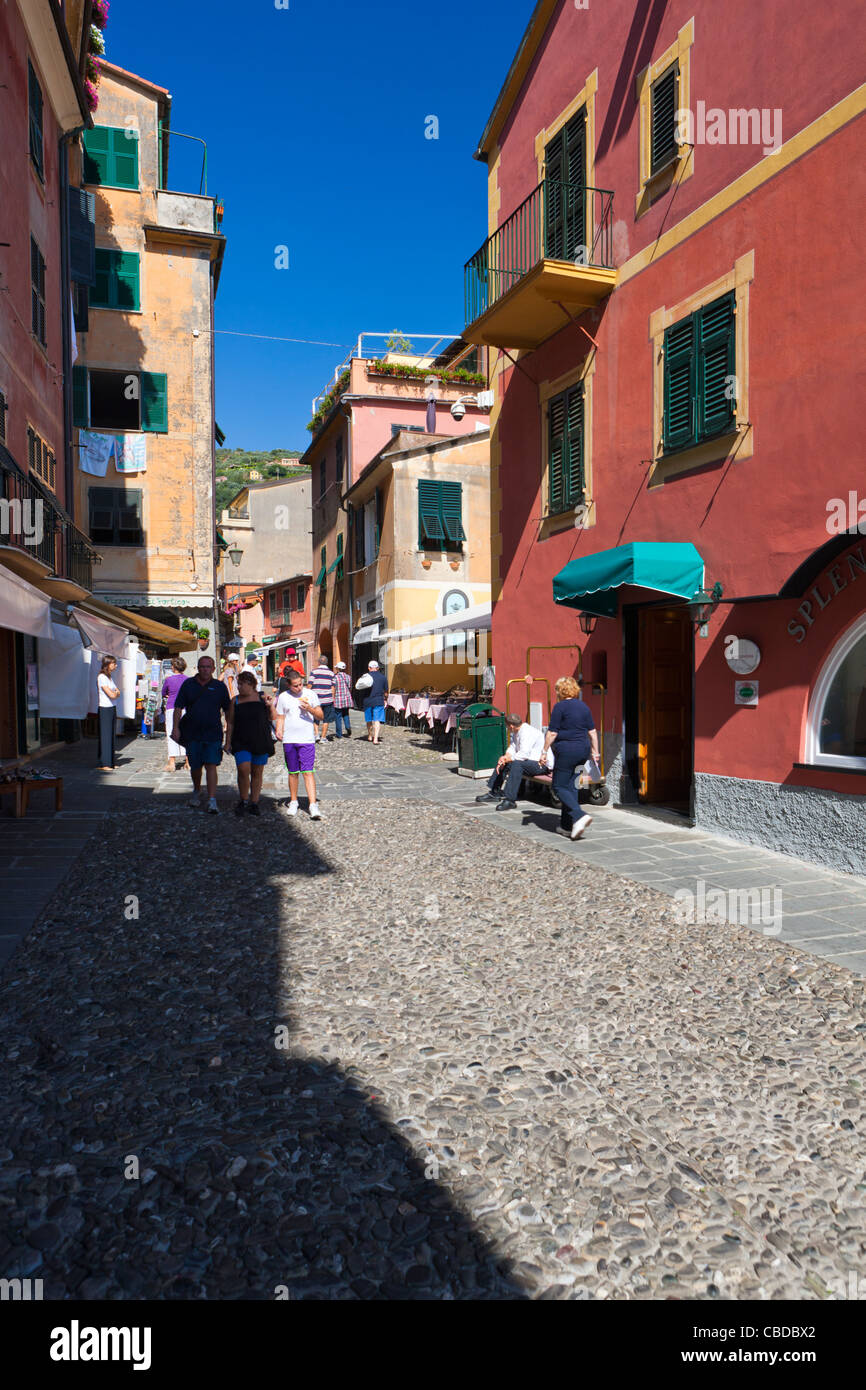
<point>322,686</point>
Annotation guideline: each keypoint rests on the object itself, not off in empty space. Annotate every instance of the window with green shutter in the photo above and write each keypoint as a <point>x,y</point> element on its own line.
<point>117,280</point>
<point>699,376</point>
<point>111,157</point>
<point>663,119</point>
<point>340,556</point>
<point>440,515</point>
<point>154,402</point>
<point>37,293</point>
<point>80,413</point>
<point>115,516</point>
<point>565,450</point>
<point>320,577</point>
<point>565,181</point>
<point>34,108</point>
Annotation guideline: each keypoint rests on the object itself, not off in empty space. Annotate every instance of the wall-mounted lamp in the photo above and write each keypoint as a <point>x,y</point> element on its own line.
<point>587,623</point>
<point>704,604</point>
<point>236,555</point>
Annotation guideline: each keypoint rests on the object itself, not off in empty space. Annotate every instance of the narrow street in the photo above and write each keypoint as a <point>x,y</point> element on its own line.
<point>405,1053</point>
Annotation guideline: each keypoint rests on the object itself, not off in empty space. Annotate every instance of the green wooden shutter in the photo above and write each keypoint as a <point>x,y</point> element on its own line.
<point>124,158</point>
<point>127,280</point>
<point>679,385</point>
<point>663,119</point>
<point>556,453</point>
<point>452,513</point>
<point>100,295</point>
<point>340,556</point>
<point>554,228</point>
<point>154,402</point>
<point>96,155</point>
<point>111,157</point>
<point>80,416</point>
<point>430,529</point>
<point>34,106</point>
<point>716,409</point>
<point>574,195</point>
<point>572,471</point>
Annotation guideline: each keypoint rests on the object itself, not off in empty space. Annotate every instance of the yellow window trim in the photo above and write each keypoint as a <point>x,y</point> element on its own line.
<point>682,168</point>
<point>585,97</point>
<point>739,445</point>
<point>550,524</point>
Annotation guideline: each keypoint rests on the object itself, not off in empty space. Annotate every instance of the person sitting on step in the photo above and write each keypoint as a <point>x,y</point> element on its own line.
<point>524,757</point>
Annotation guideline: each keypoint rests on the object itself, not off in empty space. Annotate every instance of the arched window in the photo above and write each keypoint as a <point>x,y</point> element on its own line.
<point>836,734</point>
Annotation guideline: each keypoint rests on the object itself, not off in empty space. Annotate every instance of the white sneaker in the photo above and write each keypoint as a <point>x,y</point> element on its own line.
<point>293,808</point>
<point>580,827</point>
<point>212,808</point>
<point>315,813</point>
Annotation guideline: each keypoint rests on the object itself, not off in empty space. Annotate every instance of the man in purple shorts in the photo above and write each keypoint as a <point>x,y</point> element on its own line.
<point>297,713</point>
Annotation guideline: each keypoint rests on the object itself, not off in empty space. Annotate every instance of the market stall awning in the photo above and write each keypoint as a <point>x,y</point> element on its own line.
<point>475,619</point>
<point>366,634</point>
<point>136,622</point>
<point>591,582</point>
<point>23,608</point>
<point>106,637</point>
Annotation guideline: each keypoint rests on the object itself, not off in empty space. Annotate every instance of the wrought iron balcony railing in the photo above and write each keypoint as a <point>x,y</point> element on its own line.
<point>559,222</point>
<point>281,617</point>
<point>32,521</point>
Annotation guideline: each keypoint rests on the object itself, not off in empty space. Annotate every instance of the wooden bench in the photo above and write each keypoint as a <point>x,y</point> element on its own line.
<point>30,783</point>
<point>14,789</point>
<point>23,786</point>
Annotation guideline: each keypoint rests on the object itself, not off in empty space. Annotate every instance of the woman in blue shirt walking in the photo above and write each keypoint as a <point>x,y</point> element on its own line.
<point>572,736</point>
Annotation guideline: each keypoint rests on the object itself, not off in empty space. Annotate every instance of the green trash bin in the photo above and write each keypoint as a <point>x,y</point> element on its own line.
<point>481,740</point>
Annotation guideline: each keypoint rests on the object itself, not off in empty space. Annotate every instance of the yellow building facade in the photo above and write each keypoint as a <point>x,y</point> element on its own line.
<point>144,372</point>
<point>424,561</point>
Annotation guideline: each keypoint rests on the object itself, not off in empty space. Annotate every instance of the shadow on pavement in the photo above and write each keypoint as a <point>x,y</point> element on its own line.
<point>149,1045</point>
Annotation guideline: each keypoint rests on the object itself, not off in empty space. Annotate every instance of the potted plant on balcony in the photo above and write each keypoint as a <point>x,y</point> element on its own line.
<point>203,635</point>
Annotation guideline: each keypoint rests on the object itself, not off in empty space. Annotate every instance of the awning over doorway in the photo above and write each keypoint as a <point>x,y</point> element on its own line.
<point>22,607</point>
<point>590,583</point>
<point>366,634</point>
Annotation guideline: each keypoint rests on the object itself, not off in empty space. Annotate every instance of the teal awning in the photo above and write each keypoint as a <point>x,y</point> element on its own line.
<point>591,582</point>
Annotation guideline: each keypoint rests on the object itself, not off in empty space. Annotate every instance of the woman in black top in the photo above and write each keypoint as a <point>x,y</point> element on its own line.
<point>252,743</point>
<point>572,736</point>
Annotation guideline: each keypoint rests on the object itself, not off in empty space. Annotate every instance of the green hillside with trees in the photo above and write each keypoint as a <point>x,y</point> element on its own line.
<point>233,468</point>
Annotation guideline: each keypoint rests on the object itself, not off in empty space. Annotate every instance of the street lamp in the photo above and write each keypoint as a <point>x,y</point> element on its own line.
<point>587,623</point>
<point>236,555</point>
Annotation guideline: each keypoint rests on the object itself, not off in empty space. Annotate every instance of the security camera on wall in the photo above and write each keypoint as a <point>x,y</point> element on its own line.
<point>458,410</point>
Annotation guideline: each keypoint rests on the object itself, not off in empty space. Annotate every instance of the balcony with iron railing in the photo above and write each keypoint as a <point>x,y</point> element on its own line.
<point>281,617</point>
<point>547,263</point>
<point>32,522</point>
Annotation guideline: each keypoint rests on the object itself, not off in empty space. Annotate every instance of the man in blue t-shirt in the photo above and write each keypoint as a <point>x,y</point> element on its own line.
<point>374,701</point>
<point>203,701</point>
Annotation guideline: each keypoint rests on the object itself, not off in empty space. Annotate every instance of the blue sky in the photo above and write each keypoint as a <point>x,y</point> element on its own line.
<point>314,118</point>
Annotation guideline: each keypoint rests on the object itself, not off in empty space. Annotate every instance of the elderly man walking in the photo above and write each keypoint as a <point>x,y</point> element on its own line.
<point>524,757</point>
<point>322,686</point>
<point>203,701</point>
<point>375,690</point>
<point>342,700</point>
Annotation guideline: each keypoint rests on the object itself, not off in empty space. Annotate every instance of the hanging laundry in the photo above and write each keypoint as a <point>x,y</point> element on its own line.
<point>131,453</point>
<point>95,452</point>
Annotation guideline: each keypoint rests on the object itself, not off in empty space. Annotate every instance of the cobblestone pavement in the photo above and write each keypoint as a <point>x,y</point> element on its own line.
<point>399,1054</point>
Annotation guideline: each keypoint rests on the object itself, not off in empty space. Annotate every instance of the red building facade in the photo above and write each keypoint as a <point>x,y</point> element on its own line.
<point>672,295</point>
